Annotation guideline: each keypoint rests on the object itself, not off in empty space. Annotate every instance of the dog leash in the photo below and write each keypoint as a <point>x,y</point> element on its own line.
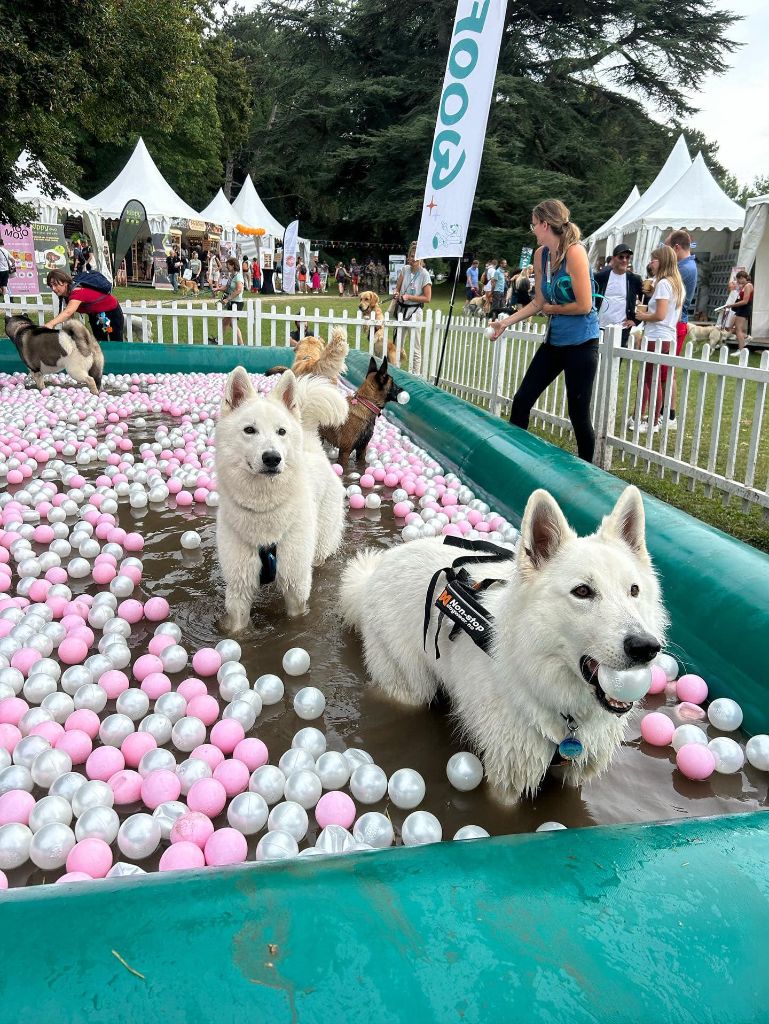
<point>458,600</point>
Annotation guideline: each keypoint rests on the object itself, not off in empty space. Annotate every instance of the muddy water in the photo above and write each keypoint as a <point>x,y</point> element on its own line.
<point>642,784</point>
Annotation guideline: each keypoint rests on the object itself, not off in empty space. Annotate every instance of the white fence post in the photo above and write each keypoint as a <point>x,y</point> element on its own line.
<point>496,362</point>
<point>606,406</point>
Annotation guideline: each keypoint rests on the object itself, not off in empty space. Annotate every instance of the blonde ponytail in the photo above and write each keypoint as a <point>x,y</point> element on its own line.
<point>555,214</point>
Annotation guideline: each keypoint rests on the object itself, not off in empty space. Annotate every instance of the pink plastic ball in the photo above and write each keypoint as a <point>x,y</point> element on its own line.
<point>192,827</point>
<point>3,880</point>
<point>688,712</point>
<point>160,786</point>
<point>401,509</point>
<point>357,501</point>
<point>191,687</point>
<point>159,643</point>
<point>103,573</point>
<point>91,856</point>
<point>126,786</point>
<point>659,680</point>
<point>182,856</point>
<point>252,752</point>
<point>391,480</point>
<point>205,707</point>
<point>135,746</point>
<point>50,731</point>
<point>207,661</point>
<point>113,682</point>
<point>16,806</point>
<point>72,650</point>
<point>156,684</point>
<point>73,876</point>
<point>85,720</point>
<point>657,729</point>
<point>156,609</point>
<point>103,763</point>
<point>366,481</point>
<point>133,542</point>
<point>145,665</point>
<point>9,736</point>
<point>227,734</point>
<point>209,753</point>
<point>226,846</point>
<point>233,775</point>
<point>131,610</point>
<point>335,808</point>
<point>12,710</point>
<point>692,688</point>
<point>696,761</point>
<point>207,796</point>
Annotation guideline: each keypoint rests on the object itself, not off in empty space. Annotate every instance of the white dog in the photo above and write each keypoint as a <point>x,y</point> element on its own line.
<point>141,327</point>
<point>565,606</point>
<point>276,489</point>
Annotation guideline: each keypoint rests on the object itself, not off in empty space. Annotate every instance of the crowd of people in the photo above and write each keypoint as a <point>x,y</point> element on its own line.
<point>498,288</point>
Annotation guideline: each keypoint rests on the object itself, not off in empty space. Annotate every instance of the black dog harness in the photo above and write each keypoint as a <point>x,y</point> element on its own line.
<point>458,600</point>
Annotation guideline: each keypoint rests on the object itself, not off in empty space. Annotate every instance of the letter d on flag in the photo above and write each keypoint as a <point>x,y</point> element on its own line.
<point>463,113</point>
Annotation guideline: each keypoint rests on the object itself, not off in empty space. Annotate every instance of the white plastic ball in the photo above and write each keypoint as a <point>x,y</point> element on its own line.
<point>729,755</point>
<point>38,687</point>
<point>189,732</point>
<point>172,705</point>
<point>158,726</point>
<point>309,703</point>
<point>295,760</point>
<point>550,826</point>
<point>688,734</point>
<point>269,782</point>
<point>155,760</point>
<point>406,788</point>
<point>290,817</point>
<point>373,501</point>
<point>98,823</point>
<point>190,771</point>
<point>368,784</point>
<point>725,714</point>
<point>48,766</point>
<point>165,815</point>
<point>114,729</point>
<point>93,793</point>
<point>50,808</point>
<point>133,702</point>
<point>668,664</point>
<point>242,711</point>
<point>304,787</point>
<point>27,749</point>
<point>375,829</point>
<point>270,688</point>
<point>334,839</point>
<point>403,398</point>
<point>421,828</point>
<point>233,685</point>
<point>139,836</point>
<point>248,813</point>
<point>122,587</point>
<point>277,845</point>
<point>332,770</point>
<point>190,540</point>
<point>15,841</point>
<point>121,869</point>
<point>60,705</point>
<point>464,771</point>
<point>51,845</point>
<point>310,739</point>
<point>229,650</point>
<point>169,629</point>
<point>296,661</point>
<point>355,757</point>
<point>90,696</point>
<point>470,832</point>
<point>174,658</point>
<point>757,752</point>
<point>67,785</point>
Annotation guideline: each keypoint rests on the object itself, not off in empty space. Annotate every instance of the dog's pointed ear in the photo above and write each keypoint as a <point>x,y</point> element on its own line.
<point>286,392</point>
<point>382,371</point>
<point>627,522</point>
<point>543,530</point>
<point>237,389</point>
<point>371,366</point>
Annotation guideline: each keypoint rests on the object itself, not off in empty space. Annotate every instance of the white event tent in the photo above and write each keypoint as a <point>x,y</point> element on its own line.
<point>254,214</point>
<point>754,252</point>
<point>140,179</point>
<point>605,230</point>
<point>220,211</point>
<point>696,203</point>
<point>69,203</point>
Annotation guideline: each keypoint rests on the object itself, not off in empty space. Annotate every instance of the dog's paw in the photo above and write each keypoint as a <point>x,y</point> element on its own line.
<point>232,624</point>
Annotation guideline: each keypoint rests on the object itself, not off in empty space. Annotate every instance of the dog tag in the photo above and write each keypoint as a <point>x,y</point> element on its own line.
<point>570,748</point>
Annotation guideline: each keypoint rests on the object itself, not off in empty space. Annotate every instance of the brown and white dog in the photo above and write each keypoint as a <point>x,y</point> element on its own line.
<point>363,407</point>
<point>42,350</point>
<point>368,305</point>
<point>323,360</point>
<point>189,286</point>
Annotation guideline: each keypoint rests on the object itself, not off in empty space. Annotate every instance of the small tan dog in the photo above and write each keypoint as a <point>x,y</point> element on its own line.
<point>189,286</point>
<point>369,303</point>
<point>313,356</point>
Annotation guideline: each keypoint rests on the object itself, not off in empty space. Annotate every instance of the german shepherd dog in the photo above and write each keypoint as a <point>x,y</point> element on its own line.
<point>43,350</point>
<point>364,406</point>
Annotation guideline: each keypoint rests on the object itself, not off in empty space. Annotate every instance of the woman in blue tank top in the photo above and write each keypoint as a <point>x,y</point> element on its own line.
<point>563,292</point>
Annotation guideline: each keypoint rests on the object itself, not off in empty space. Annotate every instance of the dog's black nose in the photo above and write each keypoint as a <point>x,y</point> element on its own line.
<point>641,647</point>
<point>273,459</point>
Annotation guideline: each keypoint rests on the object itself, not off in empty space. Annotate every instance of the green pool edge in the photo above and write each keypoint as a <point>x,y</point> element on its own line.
<point>631,923</point>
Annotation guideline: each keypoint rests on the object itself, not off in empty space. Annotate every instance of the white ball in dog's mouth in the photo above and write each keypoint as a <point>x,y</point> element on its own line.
<point>632,684</point>
<point>403,398</point>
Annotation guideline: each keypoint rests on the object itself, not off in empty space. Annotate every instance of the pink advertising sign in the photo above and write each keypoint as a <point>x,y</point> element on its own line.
<point>20,246</point>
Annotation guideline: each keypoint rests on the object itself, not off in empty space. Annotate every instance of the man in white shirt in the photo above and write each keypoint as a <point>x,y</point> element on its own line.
<point>618,291</point>
<point>412,293</point>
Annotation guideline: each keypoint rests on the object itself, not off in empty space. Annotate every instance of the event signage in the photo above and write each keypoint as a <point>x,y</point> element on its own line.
<point>396,263</point>
<point>525,259</point>
<point>161,246</point>
<point>50,252</point>
<point>288,279</point>
<point>132,220</point>
<point>460,130</point>
<point>19,244</point>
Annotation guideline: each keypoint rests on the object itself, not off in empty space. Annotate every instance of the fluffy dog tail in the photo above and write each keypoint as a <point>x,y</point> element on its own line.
<point>332,359</point>
<point>355,578</point>
<point>276,369</point>
<point>84,341</point>
<point>320,404</point>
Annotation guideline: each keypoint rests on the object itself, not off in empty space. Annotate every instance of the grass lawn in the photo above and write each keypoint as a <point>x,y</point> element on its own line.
<point>750,525</point>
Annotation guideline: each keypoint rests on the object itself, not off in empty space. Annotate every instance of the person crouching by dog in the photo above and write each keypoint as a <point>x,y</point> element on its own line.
<point>233,294</point>
<point>102,308</point>
<point>564,293</point>
<point>619,290</point>
<point>413,290</point>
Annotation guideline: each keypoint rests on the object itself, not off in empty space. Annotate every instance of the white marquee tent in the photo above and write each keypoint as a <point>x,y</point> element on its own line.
<point>49,210</point>
<point>220,211</point>
<point>253,213</point>
<point>140,179</point>
<point>754,252</point>
<point>696,203</point>
<point>605,230</point>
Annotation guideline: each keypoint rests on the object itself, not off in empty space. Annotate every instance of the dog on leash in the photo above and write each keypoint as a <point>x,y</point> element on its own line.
<point>474,307</point>
<point>565,607</point>
<point>313,356</point>
<point>368,305</point>
<point>357,428</point>
<point>42,350</point>
<point>281,506</point>
<point>190,286</point>
<point>714,336</point>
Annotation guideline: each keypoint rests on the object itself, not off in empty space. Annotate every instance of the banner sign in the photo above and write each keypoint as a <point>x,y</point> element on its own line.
<point>161,246</point>
<point>50,252</point>
<point>132,220</point>
<point>460,130</point>
<point>397,263</point>
<point>289,258</point>
<point>20,246</point>
<point>525,259</point>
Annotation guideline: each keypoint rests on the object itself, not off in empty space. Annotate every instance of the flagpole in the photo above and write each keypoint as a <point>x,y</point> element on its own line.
<point>448,322</point>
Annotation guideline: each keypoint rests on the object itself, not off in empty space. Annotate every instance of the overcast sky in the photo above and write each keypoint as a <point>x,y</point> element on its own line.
<point>733,107</point>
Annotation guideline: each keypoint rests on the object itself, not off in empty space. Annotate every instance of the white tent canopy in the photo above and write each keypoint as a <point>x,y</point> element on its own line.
<point>49,209</point>
<point>695,202</point>
<point>605,230</point>
<point>140,179</point>
<point>754,252</point>
<point>253,213</point>
<point>220,211</point>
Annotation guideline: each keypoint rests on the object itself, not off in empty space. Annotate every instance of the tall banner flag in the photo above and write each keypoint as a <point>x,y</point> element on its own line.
<point>289,257</point>
<point>132,220</point>
<point>463,112</point>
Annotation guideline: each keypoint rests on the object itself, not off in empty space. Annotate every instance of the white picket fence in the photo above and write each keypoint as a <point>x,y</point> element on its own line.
<point>721,406</point>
